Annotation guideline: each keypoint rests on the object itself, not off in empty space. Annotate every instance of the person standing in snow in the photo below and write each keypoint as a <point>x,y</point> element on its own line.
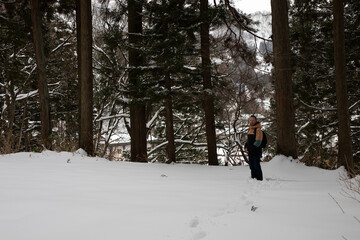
<point>252,146</point>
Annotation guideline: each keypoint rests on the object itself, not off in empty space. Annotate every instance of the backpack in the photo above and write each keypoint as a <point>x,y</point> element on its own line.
<point>264,140</point>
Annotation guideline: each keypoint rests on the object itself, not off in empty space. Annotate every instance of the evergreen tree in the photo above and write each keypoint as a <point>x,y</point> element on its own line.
<point>286,142</point>
<point>164,29</point>
<point>173,78</point>
<point>136,86</point>
<point>44,98</point>
<point>345,157</point>
<point>185,68</point>
<point>111,97</point>
<point>16,49</point>
<point>206,75</point>
<point>313,52</point>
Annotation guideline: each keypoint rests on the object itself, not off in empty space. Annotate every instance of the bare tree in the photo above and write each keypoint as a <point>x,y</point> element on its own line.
<point>285,116</point>
<point>41,74</point>
<point>345,156</point>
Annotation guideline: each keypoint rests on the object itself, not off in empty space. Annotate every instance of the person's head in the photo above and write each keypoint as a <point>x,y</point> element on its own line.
<point>252,120</point>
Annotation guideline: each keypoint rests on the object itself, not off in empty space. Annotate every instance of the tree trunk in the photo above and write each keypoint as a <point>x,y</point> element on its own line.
<point>170,149</point>
<point>137,106</point>
<point>22,126</point>
<point>78,49</point>
<point>206,74</point>
<point>10,100</point>
<point>345,156</point>
<point>44,98</point>
<point>169,122</point>
<point>285,116</point>
<point>86,78</point>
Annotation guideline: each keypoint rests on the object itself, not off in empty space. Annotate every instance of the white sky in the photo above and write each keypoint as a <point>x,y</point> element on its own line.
<point>251,6</point>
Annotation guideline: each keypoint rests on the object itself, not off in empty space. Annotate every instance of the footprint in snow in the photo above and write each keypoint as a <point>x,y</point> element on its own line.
<point>194,222</point>
<point>245,196</point>
<point>200,235</point>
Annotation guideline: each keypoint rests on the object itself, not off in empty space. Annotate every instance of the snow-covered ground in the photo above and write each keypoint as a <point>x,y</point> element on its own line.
<point>69,196</point>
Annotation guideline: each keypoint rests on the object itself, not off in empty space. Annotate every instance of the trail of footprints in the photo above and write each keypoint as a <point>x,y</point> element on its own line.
<point>248,198</point>
<point>194,223</point>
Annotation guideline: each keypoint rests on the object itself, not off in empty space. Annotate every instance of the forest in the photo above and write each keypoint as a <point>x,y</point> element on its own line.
<point>176,80</point>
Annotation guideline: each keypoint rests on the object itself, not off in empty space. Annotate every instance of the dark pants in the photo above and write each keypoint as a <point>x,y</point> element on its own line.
<point>254,163</point>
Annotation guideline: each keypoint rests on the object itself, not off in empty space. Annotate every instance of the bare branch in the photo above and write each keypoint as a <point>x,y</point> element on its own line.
<point>337,203</point>
<point>123,115</point>
<point>317,108</point>
<point>60,45</point>
<point>156,115</point>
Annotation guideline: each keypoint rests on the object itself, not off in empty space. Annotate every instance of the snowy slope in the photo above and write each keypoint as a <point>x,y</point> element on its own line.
<point>264,26</point>
<point>69,196</point>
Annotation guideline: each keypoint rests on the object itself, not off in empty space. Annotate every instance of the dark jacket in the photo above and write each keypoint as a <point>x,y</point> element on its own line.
<point>253,142</point>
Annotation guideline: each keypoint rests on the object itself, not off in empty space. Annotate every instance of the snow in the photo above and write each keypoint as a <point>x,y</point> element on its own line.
<point>65,195</point>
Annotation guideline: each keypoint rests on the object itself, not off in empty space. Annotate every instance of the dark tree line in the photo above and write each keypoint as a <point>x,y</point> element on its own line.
<point>324,47</point>
<point>286,143</point>
<point>181,72</point>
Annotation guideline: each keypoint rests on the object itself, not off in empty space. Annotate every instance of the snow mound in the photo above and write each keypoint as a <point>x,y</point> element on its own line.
<point>294,170</point>
<point>81,152</point>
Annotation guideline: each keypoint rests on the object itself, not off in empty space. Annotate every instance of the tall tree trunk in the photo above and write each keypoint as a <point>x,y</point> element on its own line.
<point>206,74</point>
<point>78,49</point>
<point>170,149</point>
<point>86,78</point>
<point>169,122</point>
<point>345,157</point>
<point>285,116</point>
<point>42,81</point>
<point>137,106</point>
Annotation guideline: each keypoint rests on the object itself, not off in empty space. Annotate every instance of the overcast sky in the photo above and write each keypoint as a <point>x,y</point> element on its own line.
<point>251,6</point>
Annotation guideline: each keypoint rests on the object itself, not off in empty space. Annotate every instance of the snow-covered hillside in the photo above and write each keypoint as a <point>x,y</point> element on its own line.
<point>261,39</point>
<point>69,196</point>
<point>264,26</point>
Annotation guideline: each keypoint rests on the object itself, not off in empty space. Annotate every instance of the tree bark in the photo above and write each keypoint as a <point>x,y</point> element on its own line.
<point>44,98</point>
<point>86,78</point>
<point>78,49</point>
<point>170,149</point>
<point>22,126</point>
<point>206,75</point>
<point>169,122</point>
<point>345,155</point>
<point>285,114</point>
<point>10,100</point>
<point>137,106</point>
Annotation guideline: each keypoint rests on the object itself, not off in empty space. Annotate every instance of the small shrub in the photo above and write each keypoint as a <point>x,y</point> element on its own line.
<point>351,187</point>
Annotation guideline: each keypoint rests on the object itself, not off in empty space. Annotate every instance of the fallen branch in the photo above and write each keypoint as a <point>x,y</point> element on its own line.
<point>357,219</point>
<point>352,187</point>
<point>337,203</point>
